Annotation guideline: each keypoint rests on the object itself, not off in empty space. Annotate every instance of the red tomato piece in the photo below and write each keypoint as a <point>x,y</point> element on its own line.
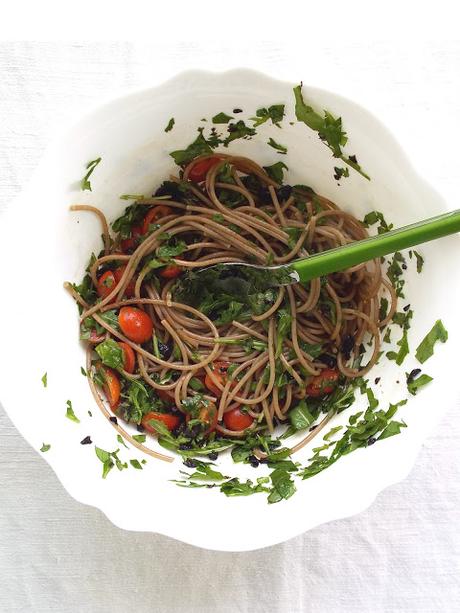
<point>105,284</point>
<point>129,244</point>
<point>111,386</point>
<point>157,212</point>
<point>129,357</point>
<point>171,271</point>
<point>135,324</point>
<point>201,168</point>
<point>118,273</point>
<point>237,420</point>
<point>219,371</point>
<point>169,420</point>
<point>324,383</point>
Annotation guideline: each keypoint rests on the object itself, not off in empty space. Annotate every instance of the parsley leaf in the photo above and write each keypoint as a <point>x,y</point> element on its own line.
<point>170,125</point>
<point>274,112</point>
<point>90,166</point>
<point>70,413</point>
<point>280,148</point>
<point>329,130</point>
<point>221,118</point>
<point>426,347</point>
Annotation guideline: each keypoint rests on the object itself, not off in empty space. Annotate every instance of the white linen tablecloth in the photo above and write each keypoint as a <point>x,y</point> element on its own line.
<point>402,554</point>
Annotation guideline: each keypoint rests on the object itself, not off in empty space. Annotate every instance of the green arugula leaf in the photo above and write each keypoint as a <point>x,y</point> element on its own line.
<point>395,272</point>
<point>235,487</point>
<point>136,464</point>
<point>420,261</point>
<point>282,484</point>
<point>403,352</point>
<point>70,413</point>
<point>415,382</point>
<point>426,348</point>
<point>200,146</point>
<point>329,129</point>
<point>90,166</point>
<point>121,441</point>
<point>44,380</point>
<point>45,447</point>
<point>140,438</point>
<point>280,148</point>
<point>169,250</point>
<point>111,354</point>
<point>275,171</point>
<point>300,416</point>
<point>170,125</point>
<point>83,371</point>
<point>376,216</point>
<point>340,172</point>
<point>221,118</point>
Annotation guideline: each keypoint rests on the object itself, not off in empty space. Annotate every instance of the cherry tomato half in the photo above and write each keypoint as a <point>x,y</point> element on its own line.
<point>169,420</point>
<point>111,386</point>
<point>129,244</point>
<point>106,283</point>
<point>219,371</point>
<point>322,384</point>
<point>237,420</point>
<point>135,324</point>
<point>200,169</point>
<point>129,357</point>
<point>171,271</point>
<point>157,212</point>
<point>118,273</point>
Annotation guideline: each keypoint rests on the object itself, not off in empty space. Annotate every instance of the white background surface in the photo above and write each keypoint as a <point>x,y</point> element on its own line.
<point>403,554</point>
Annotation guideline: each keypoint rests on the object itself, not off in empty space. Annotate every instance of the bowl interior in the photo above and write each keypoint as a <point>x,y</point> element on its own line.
<point>129,135</point>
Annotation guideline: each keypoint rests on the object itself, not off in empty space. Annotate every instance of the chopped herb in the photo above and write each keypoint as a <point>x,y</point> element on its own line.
<point>275,171</point>
<point>238,130</point>
<point>132,197</point>
<point>395,273</point>
<point>83,371</point>
<point>200,146</point>
<point>111,354</point>
<point>121,441</point>
<point>90,166</point>
<point>400,356</point>
<point>170,125</point>
<point>376,216</point>
<point>280,148</point>
<point>45,447</point>
<point>221,118</point>
<point>420,261</point>
<point>383,309</point>
<point>300,416</point>
<point>416,381</point>
<point>426,347</point>
<point>140,438</point>
<point>235,487</point>
<point>329,130</point>
<point>136,464</point>
<point>282,485</point>
<point>70,414</point>
<point>274,112</point>
<point>45,380</point>
<point>340,172</point>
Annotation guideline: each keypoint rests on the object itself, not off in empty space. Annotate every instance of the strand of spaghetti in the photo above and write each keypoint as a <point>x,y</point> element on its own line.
<point>102,219</point>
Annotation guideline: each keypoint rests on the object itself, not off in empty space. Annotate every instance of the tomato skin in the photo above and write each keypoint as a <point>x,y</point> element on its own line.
<point>237,420</point>
<point>201,168</point>
<point>106,283</point>
<point>219,370</point>
<point>129,357</point>
<point>157,212</point>
<point>128,244</point>
<point>171,271</point>
<point>322,384</point>
<point>118,273</point>
<point>169,420</point>
<point>135,324</point>
<point>111,387</point>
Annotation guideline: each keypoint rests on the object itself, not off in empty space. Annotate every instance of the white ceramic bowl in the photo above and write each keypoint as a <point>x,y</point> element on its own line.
<point>53,245</point>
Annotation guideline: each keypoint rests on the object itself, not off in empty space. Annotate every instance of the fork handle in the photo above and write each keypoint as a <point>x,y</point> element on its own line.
<point>341,258</point>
